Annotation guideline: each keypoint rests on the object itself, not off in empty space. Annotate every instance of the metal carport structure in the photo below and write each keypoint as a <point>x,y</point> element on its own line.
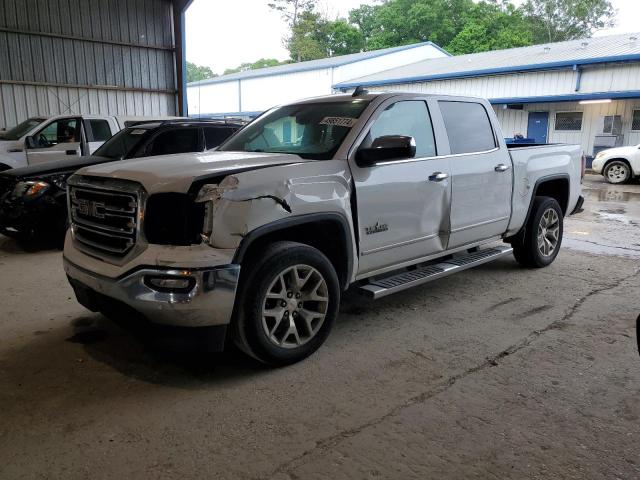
<point>109,57</point>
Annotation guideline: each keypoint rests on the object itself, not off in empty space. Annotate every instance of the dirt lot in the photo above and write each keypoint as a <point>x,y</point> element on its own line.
<point>498,372</point>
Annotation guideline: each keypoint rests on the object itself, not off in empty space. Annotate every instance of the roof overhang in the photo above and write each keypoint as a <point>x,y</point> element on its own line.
<point>575,97</point>
<point>572,64</point>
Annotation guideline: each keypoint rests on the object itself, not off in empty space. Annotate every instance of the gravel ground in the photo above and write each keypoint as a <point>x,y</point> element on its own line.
<point>497,372</point>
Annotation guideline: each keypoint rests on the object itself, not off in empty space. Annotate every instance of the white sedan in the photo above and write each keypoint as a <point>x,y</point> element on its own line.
<point>618,165</point>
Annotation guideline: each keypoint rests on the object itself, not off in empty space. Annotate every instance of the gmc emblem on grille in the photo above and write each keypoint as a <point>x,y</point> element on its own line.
<point>90,208</point>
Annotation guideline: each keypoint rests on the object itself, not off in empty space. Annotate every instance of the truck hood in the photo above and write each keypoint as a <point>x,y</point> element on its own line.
<point>176,173</point>
<point>56,166</point>
<point>619,151</point>
<point>6,145</point>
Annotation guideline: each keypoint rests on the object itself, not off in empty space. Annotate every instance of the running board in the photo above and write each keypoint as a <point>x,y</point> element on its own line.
<point>412,278</point>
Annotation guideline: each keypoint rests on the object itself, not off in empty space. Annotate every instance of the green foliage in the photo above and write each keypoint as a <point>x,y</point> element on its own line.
<point>558,20</point>
<point>262,63</point>
<point>492,26</point>
<point>460,26</point>
<point>196,72</point>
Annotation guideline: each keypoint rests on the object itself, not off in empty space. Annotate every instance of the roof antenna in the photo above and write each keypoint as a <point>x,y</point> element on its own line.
<point>360,90</point>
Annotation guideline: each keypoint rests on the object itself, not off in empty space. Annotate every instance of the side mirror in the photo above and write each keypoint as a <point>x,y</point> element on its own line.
<point>30,142</point>
<point>385,148</point>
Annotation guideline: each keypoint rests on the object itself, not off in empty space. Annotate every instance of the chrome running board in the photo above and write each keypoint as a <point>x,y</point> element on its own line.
<point>383,286</point>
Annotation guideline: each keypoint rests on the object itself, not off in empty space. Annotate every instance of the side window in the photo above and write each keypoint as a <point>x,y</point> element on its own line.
<point>214,136</point>
<point>468,127</point>
<point>175,141</point>
<point>60,131</point>
<point>409,118</point>
<point>100,129</point>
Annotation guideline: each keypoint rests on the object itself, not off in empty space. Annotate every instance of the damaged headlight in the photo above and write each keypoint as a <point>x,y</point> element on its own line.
<point>30,189</point>
<point>209,195</point>
<point>34,188</point>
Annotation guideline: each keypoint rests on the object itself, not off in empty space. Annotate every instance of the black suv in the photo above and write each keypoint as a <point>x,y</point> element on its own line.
<point>33,199</point>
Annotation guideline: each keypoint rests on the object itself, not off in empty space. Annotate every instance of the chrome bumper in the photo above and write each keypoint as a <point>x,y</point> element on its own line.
<point>208,302</point>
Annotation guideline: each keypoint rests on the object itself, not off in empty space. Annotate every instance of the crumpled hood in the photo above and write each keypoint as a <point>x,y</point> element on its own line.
<point>176,173</point>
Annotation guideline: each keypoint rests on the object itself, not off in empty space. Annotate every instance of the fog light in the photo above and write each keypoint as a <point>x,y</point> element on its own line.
<point>170,284</point>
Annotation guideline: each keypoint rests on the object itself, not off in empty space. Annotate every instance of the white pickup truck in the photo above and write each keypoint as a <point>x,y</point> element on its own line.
<point>42,139</point>
<point>257,240</point>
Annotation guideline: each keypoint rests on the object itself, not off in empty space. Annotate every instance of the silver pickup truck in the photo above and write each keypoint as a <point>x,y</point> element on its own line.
<point>257,240</point>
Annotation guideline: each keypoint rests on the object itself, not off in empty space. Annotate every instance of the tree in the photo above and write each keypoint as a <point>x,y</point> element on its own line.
<point>492,26</point>
<point>308,38</point>
<point>364,18</point>
<point>197,72</point>
<point>343,38</point>
<point>262,63</point>
<point>292,11</point>
<point>558,20</point>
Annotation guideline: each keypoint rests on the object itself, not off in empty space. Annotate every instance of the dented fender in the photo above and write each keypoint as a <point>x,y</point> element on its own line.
<point>248,200</point>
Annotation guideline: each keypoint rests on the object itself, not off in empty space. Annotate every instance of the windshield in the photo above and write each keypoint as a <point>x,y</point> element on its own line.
<point>22,129</point>
<point>311,130</point>
<point>121,144</point>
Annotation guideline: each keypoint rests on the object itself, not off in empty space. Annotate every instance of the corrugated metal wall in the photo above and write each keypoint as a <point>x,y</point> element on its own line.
<point>106,57</point>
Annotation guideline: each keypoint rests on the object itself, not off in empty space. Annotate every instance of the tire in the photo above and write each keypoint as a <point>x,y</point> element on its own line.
<point>543,234</point>
<point>617,172</point>
<point>280,321</point>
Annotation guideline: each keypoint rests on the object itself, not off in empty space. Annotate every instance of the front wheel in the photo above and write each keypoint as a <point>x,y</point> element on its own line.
<point>543,234</point>
<point>617,172</point>
<point>288,302</point>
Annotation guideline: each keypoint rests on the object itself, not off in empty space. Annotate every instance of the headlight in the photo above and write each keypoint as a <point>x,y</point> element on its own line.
<point>600,154</point>
<point>30,189</point>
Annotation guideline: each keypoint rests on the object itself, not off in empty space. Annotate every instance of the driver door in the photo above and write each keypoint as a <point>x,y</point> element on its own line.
<point>58,140</point>
<point>402,204</point>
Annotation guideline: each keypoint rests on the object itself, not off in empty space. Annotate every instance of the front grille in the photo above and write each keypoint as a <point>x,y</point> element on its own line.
<point>104,219</point>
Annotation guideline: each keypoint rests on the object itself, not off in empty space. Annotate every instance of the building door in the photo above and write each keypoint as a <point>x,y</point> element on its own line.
<point>538,126</point>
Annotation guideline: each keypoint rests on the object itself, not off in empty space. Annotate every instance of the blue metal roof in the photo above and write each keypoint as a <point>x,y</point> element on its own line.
<point>614,48</point>
<point>574,97</point>
<point>313,64</point>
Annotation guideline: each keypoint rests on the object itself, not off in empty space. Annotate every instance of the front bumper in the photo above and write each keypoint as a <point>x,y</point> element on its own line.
<point>42,216</point>
<point>208,302</point>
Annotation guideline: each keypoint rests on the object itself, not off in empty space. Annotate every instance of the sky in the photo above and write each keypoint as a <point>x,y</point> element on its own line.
<point>225,33</point>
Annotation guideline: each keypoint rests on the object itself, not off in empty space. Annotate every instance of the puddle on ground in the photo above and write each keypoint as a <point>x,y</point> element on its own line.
<point>610,195</point>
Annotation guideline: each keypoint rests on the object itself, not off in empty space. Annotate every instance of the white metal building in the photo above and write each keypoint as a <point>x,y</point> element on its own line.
<point>253,91</point>
<point>583,91</point>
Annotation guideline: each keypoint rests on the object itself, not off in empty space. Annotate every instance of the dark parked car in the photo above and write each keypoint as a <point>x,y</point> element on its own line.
<point>33,199</point>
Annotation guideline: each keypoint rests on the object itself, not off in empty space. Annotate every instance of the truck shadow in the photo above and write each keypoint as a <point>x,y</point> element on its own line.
<point>14,246</point>
<point>137,352</point>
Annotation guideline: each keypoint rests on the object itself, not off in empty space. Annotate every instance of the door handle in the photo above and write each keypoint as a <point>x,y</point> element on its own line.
<point>71,152</point>
<point>501,167</point>
<point>438,176</point>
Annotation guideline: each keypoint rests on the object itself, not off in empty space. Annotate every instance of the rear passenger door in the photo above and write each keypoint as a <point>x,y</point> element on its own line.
<point>481,174</point>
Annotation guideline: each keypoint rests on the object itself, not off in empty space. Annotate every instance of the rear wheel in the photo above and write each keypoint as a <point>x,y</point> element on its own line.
<point>288,304</point>
<point>543,235</point>
<point>617,171</point>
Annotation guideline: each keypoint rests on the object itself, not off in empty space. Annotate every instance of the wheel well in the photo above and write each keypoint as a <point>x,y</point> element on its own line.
<point>557,188</point>
<point>624,160</point>
<point>329,236</point>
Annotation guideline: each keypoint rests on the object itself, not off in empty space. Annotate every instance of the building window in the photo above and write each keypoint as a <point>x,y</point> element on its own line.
<point>569,121</point>
<point>635,123</point>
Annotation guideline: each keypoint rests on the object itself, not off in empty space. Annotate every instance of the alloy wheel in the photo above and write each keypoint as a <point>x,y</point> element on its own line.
<point>548,232</point>
<point>295,306</point>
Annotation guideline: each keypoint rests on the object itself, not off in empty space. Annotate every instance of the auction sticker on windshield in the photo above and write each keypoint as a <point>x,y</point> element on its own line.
<point>339,121</point>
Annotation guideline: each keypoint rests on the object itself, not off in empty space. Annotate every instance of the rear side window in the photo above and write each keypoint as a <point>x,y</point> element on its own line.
<point>409,118</point>
<point>100,129</point>
<point>468,127</point>
<point>175,141</point>
<point>214,136</point>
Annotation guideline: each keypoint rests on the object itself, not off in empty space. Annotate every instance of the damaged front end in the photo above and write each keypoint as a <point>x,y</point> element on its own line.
<point>230,211</point>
